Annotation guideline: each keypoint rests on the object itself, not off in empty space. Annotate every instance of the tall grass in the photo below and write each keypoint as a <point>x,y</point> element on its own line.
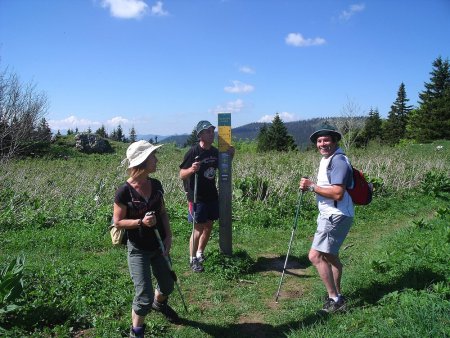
<point>56,212</point>
<point>95,177</point>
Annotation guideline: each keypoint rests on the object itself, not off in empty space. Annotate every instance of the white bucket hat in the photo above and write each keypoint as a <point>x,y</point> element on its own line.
<point>138,152</point>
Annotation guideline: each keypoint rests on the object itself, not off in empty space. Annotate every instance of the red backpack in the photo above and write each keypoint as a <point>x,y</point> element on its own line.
<point>359,190</point>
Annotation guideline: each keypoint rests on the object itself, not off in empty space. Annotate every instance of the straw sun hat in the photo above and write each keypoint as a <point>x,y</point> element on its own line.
<point>324,131</point>
<point>138,152</point>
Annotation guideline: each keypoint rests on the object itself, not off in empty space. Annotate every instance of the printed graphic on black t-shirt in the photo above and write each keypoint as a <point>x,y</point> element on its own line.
<point>206,185</point>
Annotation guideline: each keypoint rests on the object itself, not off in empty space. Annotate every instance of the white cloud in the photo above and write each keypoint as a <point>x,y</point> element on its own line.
<point>82,124</point>
<point>347,14</point>
<point>73,122</point>
<point>266,119</point>
<point>158,9</point>
<point>297,40</point>
<point>126,9</point>
<point>285,117</point>
<point>239,87</point>
<point>115,121</point>
<point>247,70</point>
<point>230,107</point>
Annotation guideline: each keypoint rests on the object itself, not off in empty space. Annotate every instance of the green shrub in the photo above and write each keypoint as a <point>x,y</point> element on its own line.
<point>229,267</point>
<point>435,183</point>
<point>251,188</point>
<point>11,285</point>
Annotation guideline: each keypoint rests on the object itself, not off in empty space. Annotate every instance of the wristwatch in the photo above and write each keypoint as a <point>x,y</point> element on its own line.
<point>140,222</point>
<point>312,187</point>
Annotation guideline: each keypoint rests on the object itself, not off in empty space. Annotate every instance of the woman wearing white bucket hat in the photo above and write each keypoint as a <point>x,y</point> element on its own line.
<point>139,195</point>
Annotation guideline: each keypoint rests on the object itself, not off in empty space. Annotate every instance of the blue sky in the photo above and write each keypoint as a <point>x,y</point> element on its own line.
<point>161,66</point>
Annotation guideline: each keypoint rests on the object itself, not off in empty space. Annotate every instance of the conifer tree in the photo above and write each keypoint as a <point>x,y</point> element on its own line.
<point>372,130</point>
<point>192,139</point>
<point>276,137</point>
<point>431,121</point>
<point>373,126</point>
<point>395,126</point>
<point>119,133</point>
<point>101,132</point>
<point>113,135</point>
<point>279,137</point>
<point>262,142</point>
<point>132,135</point>
<point>43,131</point>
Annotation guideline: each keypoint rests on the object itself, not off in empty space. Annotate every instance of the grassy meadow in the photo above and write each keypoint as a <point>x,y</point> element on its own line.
<point>55,211</point>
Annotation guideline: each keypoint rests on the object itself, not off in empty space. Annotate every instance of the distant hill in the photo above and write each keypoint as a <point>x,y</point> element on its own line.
<point>247,132</point>
<point>300,131</point>
<point>179,140</point>
<point>147,137</point>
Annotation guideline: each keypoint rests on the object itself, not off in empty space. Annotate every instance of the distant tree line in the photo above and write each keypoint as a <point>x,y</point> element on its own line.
<point>428,122</point>
<point>24,129</point>
<point>116,134</point>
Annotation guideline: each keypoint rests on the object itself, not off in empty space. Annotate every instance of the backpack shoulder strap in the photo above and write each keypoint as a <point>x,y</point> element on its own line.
<point>349,182</point>
<point>329,165</point>
<point>130,190</point>
<point>158,192</point>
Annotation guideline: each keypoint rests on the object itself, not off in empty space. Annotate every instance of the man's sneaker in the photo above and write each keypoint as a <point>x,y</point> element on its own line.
<point>201,258</point>
<point>331,306</point>
<point>137,335</point>
<point>341,298</point>
<point>166,310</point>
<point>196,266</point>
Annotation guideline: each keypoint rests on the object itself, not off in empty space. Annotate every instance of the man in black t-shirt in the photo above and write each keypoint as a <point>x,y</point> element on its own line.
<point>202,160</point>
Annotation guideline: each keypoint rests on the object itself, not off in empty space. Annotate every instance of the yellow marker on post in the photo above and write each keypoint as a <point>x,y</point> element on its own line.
<point>224,137</point>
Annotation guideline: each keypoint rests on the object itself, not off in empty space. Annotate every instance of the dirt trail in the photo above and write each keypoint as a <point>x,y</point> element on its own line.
<point>290,289</point>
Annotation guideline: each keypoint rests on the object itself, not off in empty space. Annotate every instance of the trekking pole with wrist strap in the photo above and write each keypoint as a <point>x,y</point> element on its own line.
<point>290,242</point>
<point>169,264</point>
<point>194,207</point>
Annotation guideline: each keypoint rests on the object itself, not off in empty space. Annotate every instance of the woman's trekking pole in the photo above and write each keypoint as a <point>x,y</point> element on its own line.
<point>194,207</point>
<point>169,264</point>
<point>290,242</point>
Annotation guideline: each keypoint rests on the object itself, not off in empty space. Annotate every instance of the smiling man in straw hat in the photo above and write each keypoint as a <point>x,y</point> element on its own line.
<point>335,213</point>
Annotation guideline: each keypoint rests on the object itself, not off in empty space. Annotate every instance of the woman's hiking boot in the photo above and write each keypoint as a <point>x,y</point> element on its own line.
<point>167,311</point>
<point>139,334</point>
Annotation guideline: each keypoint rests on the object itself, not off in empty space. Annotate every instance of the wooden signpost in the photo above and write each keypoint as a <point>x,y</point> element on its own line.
<point>225,233</point>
